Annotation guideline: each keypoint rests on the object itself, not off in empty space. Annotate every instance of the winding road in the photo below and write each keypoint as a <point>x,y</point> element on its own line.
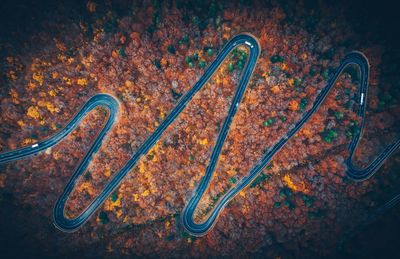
<point>199,229</point>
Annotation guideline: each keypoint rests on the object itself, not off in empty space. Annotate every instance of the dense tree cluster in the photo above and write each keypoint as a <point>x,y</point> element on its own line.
<point>148,55</point>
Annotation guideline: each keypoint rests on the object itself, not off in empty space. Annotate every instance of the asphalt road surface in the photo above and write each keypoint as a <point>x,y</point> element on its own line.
<point>199,229</point>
